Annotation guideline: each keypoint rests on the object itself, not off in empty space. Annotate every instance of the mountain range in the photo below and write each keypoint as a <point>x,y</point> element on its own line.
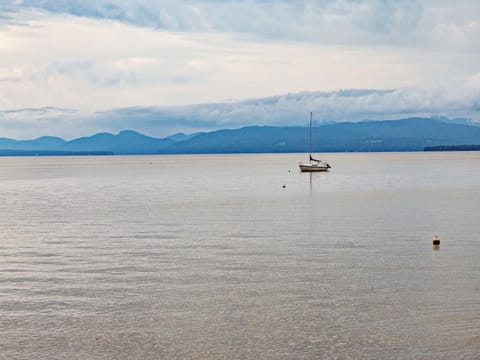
<point>412,134</point>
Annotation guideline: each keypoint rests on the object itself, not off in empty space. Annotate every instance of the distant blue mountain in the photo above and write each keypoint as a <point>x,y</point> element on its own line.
<point>126,142</point>
<point>390,135</point>
<point>44,143</point>
<point>462,121</point>
<point>182,136</point>
<point>413,134</point>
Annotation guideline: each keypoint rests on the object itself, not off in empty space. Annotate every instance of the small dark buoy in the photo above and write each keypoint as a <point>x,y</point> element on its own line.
<point>284,186</point>
<point>436,240</point>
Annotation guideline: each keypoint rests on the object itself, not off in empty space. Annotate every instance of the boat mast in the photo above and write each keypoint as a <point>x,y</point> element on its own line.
<point>310,141</point>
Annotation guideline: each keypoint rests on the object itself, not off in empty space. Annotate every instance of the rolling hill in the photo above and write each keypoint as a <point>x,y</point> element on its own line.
<point>413,134</point>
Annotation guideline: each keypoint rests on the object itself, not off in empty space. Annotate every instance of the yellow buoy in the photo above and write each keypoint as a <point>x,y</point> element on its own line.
<point>436,240</point>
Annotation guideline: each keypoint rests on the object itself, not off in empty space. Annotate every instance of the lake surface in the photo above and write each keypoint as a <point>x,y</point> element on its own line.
<point>171,257</point>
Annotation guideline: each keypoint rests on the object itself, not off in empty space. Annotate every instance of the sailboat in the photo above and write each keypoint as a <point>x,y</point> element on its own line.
<point>313,164</point>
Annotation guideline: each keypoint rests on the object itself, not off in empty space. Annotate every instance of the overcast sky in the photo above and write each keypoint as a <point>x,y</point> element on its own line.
<point>75,67</point>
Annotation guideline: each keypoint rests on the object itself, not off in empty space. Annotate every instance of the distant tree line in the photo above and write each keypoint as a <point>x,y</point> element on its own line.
<point>452,148</point>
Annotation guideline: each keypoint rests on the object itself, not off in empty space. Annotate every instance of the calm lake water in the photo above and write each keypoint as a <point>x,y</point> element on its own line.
<point>192,257</point>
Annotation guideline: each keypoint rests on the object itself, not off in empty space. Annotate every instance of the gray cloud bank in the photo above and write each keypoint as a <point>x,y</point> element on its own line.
<point>436,23</point>
<point>283,110</point>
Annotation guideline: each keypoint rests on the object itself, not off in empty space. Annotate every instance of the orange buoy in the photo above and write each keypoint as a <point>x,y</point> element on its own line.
<point>436,240</point>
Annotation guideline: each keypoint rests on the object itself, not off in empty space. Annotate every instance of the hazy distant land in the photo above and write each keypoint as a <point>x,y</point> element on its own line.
<point>412,134</point>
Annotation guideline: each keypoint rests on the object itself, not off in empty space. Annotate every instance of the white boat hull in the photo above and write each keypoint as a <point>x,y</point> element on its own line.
<point>313,167</point>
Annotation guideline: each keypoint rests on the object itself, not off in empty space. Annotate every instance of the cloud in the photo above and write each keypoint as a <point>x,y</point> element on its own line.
<point>284,110</point>
<point>142,64</point>
<point>436,23</point>
<point>34,122</point>
<point>96,65</point>
<point>13,73</point>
